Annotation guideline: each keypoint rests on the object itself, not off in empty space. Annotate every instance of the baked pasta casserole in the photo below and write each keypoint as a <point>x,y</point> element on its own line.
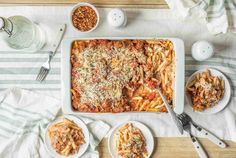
<point>115,75</point>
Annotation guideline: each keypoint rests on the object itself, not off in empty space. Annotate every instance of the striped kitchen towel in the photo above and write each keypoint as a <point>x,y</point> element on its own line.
<point>21,69</point>
<point>219,15</point>
<point>227,65</point>
<point>24,116</point>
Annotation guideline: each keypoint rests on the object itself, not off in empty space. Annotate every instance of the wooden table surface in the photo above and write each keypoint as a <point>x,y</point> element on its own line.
<point>164,147</point>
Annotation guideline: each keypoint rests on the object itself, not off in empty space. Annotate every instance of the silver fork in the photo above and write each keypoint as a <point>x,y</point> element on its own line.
<point>45,68</point>
<point>43,72</point>
<point>203,131</point>
<point>186,122</point>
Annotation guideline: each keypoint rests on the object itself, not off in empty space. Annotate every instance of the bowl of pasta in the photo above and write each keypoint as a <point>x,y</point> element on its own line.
<point>131,139</point>
<point>67,136</point>
<point>208,91</point>
<point>109,74</point>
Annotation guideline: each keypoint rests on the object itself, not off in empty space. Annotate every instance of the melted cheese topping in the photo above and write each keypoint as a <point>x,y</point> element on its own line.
<point>110,75</point>
<point>103,74</point>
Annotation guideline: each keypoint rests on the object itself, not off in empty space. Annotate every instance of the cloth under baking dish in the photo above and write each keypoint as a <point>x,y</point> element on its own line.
<point>20,69</point>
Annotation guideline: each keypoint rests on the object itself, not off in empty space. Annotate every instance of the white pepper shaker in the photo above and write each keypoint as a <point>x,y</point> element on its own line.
<point>117,18</point>
<point>202,50</point>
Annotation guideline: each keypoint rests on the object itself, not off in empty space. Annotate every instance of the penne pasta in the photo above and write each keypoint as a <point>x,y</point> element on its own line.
<point>109,75</point>
<point>205,90</point>
<point>66,137</point>
<point>130,142</point>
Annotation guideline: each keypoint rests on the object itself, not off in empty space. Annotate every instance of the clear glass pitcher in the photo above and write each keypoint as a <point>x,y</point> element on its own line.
<point>20,33</point>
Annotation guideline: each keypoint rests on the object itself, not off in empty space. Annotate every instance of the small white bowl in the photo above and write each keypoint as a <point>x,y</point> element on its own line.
<point>84,4</point>
<point>222,103</point>
<point>83,148</point>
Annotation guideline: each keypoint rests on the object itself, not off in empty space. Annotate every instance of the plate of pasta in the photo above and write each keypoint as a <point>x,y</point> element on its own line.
<point>67,136</point>
<point>131,139</point>
<point>208,91</point>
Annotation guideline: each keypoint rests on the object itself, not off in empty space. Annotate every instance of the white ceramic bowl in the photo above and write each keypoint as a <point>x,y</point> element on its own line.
<point>83,148</point>
<point>84,4</point>
<point>222,103</point>
<point>145,131</point>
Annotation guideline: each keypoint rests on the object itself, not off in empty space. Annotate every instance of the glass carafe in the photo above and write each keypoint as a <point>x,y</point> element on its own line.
<point>22,34</point>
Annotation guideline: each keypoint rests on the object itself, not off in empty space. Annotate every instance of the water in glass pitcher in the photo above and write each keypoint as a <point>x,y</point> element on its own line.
<point>24,34</point>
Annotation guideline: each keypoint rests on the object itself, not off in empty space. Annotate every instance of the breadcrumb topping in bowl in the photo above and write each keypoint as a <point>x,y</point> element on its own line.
<point>84,17</point>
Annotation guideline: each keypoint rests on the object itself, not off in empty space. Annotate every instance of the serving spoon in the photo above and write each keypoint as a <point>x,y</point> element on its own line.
<point>170,111</point>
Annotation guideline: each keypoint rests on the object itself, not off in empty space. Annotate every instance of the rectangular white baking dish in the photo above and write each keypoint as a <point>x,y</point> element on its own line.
<point>178,101</point>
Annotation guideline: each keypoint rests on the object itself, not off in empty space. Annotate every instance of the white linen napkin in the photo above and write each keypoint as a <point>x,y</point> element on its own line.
<point>24,116</point>
<point>219,15</point>
<point>98,130</point>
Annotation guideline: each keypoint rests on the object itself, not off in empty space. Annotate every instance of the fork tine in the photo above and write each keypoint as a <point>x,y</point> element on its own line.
<point>42,75</point>
<point>186,116</point>
<point>39,74</point>
<point>183,119</point>
<point>45,74</point>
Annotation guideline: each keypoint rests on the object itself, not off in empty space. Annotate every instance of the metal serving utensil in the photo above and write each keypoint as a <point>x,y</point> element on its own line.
<point>171,112</point>
<point>208,135</point>
<point>186,122</point>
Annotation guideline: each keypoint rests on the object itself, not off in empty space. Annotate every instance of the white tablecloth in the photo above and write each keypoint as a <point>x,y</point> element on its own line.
<point>20,69</point>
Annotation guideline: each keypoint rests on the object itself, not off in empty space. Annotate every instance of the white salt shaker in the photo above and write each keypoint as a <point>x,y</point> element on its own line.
<point>117,18</point>
<point>202,50</point>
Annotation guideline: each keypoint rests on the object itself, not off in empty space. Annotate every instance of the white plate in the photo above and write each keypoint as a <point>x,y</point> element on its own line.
<point>83,147</point>
<point>146,133</point>
<point>222,103</point>
<point>178,100</point>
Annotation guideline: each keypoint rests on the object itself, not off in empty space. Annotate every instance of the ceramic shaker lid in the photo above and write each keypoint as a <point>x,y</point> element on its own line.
<point>117,17</point>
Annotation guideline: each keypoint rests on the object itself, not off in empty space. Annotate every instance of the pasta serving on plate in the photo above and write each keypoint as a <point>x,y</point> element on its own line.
<point>110,75</point>
<point>205,90</point>
<point>130,142</point>
<point>66,137</point>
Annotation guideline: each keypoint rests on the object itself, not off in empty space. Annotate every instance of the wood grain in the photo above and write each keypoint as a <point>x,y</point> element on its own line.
<point>103,2</point>
<point>164,147</point>
<point>181,148</point>
<point>98,3</point>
